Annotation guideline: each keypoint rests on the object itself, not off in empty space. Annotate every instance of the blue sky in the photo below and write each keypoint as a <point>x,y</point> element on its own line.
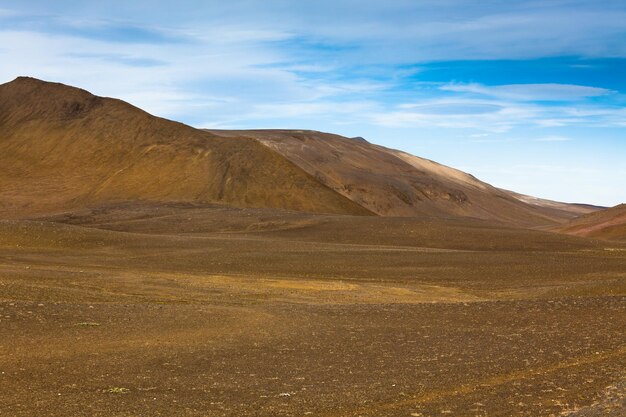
<point>526,95</point>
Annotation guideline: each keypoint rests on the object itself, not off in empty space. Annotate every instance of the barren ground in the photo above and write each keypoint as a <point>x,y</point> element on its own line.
<point>184,310</point>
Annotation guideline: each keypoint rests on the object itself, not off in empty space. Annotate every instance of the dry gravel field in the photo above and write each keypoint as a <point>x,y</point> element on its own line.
<point>199,310</point>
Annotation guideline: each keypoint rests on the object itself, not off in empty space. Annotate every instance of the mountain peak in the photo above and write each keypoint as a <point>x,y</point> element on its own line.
<point>32,82</point>
<point>25,78</point>
<point>28,98</point>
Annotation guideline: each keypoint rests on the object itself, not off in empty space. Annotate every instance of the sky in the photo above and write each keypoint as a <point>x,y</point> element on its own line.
<point>526,95</point>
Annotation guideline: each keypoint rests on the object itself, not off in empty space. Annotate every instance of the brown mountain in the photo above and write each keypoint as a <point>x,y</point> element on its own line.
<point>394,183</point>
<point>63,148</point>
<point>604,224</point>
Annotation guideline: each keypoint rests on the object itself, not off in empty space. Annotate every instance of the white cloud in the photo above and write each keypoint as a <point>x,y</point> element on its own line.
<point>190,81</point>
<point>497,116</point>
<point>305,109</point>
<point>8,13</point>
<point>453,107</point>
<point>553,139</point>
<point>530,92</point>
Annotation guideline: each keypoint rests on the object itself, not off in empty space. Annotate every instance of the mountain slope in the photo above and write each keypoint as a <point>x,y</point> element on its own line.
<point>394,183</point>
<point>605,224</point>
<point>574,209</point>
<point>62,148</point>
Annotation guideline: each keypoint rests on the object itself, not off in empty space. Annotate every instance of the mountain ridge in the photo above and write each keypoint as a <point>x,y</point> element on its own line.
<point>390,182</point>
<point>63,148</point>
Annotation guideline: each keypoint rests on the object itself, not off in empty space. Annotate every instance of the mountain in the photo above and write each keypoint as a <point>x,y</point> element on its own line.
<point>605,224</point>
<point>394,183</point>
<point>63,148</point>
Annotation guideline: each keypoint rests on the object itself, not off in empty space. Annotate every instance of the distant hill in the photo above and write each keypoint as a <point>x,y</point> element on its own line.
<point>605,224</point>
<point>394,183</point>
<point>576,209</point>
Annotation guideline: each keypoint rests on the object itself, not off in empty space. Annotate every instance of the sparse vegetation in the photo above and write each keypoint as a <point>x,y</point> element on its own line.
<point>117,390</point>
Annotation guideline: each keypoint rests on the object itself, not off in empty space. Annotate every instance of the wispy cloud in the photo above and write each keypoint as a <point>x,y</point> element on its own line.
<point>96,29</point>
<point>553,139</point>
<point>453,107</point>
<point>8,13</point>
<point>133,61</point>
<point>530,92</point>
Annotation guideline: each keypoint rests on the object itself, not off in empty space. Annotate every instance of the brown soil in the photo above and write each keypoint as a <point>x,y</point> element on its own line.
<point>190,310</point>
